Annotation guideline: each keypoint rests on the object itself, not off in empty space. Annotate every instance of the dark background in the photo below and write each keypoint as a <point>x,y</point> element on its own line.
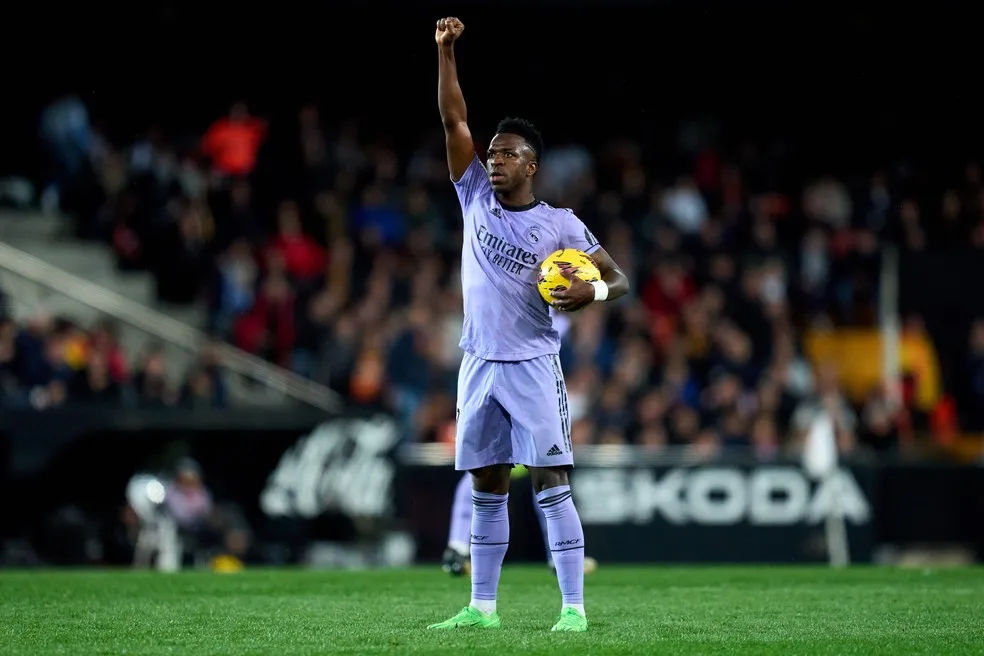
<point>863,83</point>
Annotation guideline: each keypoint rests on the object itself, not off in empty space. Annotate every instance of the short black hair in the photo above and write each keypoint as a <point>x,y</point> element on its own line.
<point>523,128</point>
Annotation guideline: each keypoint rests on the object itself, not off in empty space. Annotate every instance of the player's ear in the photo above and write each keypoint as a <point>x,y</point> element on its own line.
<point>531,169</point>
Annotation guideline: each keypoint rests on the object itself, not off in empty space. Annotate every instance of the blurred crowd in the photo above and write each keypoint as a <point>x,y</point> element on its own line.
<point>336,254</point>
<point>48,362</point>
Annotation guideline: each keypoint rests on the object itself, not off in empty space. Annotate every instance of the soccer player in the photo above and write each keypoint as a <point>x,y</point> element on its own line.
<point>512,402</point>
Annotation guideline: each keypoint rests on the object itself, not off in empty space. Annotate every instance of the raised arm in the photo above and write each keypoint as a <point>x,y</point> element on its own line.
<point>460,147</point>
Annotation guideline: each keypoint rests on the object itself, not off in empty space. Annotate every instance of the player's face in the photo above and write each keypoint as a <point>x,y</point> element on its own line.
<point>510,162</point>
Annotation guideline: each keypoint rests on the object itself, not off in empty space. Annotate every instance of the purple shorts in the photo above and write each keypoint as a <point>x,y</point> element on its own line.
<point>512,413</point>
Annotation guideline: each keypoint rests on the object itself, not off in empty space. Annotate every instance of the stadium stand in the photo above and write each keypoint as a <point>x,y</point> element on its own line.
<point>754,303</point>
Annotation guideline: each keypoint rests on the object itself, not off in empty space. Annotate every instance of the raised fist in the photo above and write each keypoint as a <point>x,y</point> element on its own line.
<point>448,31</point>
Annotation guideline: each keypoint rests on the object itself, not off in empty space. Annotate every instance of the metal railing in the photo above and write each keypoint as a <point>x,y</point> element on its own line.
<point>165,328</point>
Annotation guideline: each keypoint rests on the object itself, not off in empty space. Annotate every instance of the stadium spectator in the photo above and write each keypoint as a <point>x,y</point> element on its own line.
<point>377,219</point>
<point>237,219</point>
<point>104,341</point>
<point>304,259</point>
<point>411,365</point>
<point>94,385</point>
<point>684,206</point>
<point>150,383</point>
<point>828,397</point>
<point>205,386</point>
<point>268,329</point>
<point>184,254</point>
<point>68,138</point>
<point>233,288</point>
<point>233,142</point>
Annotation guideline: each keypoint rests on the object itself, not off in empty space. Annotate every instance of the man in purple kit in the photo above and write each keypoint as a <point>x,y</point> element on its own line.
<point>512,402</point>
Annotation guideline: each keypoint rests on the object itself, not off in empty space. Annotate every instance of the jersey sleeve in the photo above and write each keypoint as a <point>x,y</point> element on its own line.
<point>576,234</point>
<point>473,183</point>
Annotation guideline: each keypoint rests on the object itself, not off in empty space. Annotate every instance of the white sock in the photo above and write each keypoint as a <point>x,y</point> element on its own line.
<point>459,547</point>
<point>484,605</point>
<point>578,607</point>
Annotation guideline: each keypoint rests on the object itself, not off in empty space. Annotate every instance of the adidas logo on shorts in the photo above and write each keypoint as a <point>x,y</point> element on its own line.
<point>554,451</point>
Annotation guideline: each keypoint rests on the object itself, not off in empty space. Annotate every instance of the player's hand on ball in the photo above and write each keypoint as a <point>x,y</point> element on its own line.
<point>448,31</point>
<point>580,294</point>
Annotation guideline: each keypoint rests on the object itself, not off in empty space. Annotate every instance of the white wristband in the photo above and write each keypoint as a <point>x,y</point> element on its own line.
<point>601,290</point>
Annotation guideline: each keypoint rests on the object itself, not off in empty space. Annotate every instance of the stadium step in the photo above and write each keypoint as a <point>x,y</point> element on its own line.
<point>48,239</point>
<point>20,227</point>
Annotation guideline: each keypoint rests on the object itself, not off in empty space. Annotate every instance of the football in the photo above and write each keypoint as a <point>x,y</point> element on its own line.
<point>577,262</point>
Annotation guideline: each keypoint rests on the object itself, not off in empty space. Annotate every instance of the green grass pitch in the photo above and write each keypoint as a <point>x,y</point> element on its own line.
<point>632,610</point>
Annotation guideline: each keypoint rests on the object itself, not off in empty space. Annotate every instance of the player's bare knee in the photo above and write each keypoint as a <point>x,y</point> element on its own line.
<point>544,478</point>
<point>491,480</point>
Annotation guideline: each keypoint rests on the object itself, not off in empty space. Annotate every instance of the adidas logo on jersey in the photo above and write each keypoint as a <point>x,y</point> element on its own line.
<point>554,451</point>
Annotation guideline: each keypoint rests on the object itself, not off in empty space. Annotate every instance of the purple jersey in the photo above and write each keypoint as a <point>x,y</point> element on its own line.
<point>505,318</point>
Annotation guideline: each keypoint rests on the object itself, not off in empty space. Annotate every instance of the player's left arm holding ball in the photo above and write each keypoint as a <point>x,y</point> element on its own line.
<point>613,284</point>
